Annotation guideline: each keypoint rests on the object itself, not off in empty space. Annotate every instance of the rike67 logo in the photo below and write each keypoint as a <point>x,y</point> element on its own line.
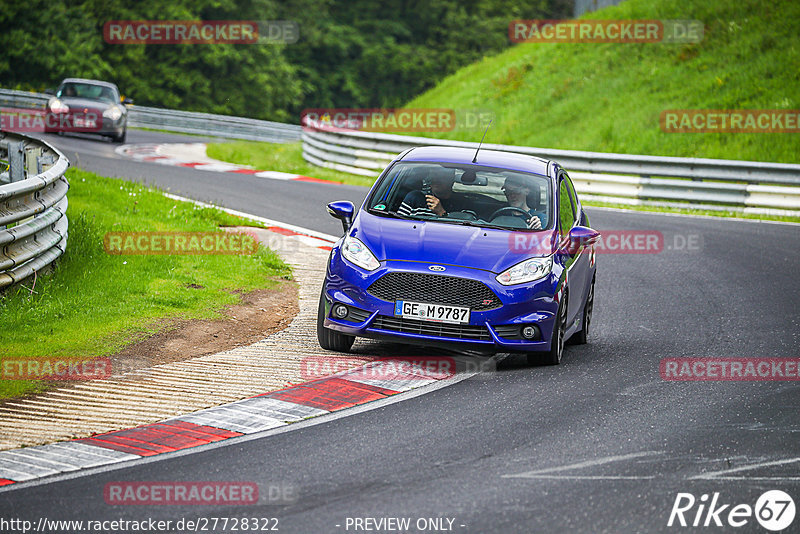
<point>774,510</point>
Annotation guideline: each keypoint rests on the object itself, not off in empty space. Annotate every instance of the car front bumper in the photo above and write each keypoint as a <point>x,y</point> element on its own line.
<point>490,331</point>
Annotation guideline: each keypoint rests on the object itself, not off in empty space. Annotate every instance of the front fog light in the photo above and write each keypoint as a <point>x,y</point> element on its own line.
<point>340,311</point>
<point>529,332</point>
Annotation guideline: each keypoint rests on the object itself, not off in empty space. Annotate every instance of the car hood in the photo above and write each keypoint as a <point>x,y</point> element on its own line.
<point>449,244</point>
<point>73,102</point>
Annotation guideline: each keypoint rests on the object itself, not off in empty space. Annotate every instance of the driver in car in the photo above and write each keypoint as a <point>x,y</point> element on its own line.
<point>517,191</point>
<point>440,201</point>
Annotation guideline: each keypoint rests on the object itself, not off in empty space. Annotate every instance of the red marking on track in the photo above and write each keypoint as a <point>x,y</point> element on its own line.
<point>159,438</point>
<point>5,482</point>
<point>192,164</point>
<point>246,171</point>
<point>282,231</point>
<point>328,394</point>
<point>315,180</point>
<point>208,433</point>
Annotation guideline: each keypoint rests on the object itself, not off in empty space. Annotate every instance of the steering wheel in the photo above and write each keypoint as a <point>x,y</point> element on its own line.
<point>501,211</point>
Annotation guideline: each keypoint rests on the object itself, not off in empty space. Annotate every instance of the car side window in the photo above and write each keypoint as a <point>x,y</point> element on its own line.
<point>572,194</point>
<point>566,212</point>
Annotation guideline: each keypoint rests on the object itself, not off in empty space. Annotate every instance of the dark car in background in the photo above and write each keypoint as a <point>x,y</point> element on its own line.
<point>88,106</point>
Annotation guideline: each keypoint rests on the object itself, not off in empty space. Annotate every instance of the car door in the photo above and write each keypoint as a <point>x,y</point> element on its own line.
<point>576,262</point>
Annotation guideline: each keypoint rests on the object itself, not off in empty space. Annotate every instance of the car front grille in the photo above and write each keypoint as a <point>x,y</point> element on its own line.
<point>435,289</point>
<point>429,328</point>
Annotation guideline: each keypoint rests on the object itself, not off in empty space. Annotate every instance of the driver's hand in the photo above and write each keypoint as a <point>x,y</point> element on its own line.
<point>534,223</point>
<point>435,205</point>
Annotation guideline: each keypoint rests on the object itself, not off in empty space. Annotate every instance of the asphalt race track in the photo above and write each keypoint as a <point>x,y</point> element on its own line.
<point>598,444</point>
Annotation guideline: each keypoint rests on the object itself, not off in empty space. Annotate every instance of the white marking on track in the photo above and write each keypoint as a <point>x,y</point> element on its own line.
<point>722,475</point>
<point>545,473</point>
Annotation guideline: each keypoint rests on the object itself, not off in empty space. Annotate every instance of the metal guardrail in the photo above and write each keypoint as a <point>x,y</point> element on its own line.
<point>714,184</point>
<point>33,206</point>
<point>178,121</point>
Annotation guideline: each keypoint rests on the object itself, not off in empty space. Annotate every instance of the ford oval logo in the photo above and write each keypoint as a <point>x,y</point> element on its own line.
<point>437,268</point>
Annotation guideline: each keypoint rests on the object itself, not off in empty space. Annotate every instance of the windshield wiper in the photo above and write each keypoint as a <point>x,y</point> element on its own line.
<point>478,224</point>
<point>393,214</point>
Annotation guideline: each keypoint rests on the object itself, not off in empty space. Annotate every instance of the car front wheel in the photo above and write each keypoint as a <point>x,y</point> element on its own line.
<point>553,356</point>
<point>331,339</point>
<point>121,137</point>
<point>582,336</point>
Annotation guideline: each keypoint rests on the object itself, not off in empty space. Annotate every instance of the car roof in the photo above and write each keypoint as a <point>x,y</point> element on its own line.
<point>85,80</point>
<point>489,158</point>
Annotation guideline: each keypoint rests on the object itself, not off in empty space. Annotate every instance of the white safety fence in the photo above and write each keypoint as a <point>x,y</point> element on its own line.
<point>178,121</point>
<point>744,186</point>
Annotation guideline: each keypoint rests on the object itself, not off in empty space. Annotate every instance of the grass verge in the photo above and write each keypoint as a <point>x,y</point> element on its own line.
<point>93,304</point>
<point>283,157</point>
<point>608,97</point>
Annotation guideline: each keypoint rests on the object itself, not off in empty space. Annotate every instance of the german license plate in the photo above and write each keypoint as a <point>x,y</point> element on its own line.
<point>431,312</point>
<point>84,123</point>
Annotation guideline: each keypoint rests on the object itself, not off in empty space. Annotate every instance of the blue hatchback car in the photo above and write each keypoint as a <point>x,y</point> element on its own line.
<point>486,251</point>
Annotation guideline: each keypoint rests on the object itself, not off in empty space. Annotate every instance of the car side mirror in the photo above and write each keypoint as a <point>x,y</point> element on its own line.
<point>581,236</point>
<point>343,210</point>
<point>50,91</point>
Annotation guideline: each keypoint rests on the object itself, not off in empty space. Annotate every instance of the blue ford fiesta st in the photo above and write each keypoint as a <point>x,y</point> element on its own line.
<point>488,251</point>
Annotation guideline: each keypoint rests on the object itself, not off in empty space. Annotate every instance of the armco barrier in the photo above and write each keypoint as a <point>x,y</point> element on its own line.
<point>33,206</point>
<point>178,121</point>
<point>746,186</point>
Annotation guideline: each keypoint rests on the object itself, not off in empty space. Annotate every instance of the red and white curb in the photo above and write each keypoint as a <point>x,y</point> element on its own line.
<point>303,235</point>
<point>273,411</point>
<point>193,155</point>
<point>371,382</point>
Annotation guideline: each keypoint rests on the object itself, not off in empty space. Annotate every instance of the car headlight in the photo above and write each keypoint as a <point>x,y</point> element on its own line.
<point>526,271</point>
<point>57,106</point>
<point>357,252</point>
<point>113,113</point>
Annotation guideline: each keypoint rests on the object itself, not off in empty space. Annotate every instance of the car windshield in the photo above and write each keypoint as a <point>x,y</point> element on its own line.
<point>87,90</point>
<point>464,194</point>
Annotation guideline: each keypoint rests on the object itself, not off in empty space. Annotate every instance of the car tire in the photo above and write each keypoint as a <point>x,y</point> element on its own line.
<point>581,337</point>
<point>331,339</point>
<point>553,356</point>
<point>121,137</point>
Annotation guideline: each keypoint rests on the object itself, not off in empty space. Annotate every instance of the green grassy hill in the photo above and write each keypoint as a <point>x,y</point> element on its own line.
<point>608,97</point>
